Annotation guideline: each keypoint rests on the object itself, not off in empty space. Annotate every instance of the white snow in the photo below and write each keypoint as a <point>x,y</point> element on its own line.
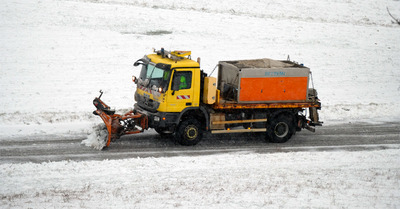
<point>282,180</point>
<point>97,137</point>
<point>57,54</point>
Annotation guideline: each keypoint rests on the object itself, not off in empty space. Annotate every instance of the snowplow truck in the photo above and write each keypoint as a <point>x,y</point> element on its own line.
<point>178,99</point>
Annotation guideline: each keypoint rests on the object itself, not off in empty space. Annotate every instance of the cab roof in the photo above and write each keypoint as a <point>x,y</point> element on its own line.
<point>184,62</point>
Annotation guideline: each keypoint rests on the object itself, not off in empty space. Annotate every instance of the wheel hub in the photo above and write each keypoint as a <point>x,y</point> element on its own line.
<point>281,129</point>
<point>191,132</point>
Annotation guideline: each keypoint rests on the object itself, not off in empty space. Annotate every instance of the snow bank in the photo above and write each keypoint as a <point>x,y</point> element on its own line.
<point>20,124</point>
<point>371,113</point>
<point>367,179</point>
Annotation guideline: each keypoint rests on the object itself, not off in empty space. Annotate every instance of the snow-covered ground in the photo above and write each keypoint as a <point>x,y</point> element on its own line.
<point>57,54</point>
<point>283,180</point>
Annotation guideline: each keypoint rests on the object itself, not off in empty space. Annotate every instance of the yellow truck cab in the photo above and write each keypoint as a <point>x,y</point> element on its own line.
<point>168,89</point>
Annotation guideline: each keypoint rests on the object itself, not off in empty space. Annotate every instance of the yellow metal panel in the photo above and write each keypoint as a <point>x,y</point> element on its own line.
<point>218,96</point>
<point>169,101</point>
<point>176,101</point>
<point>196,87</point>
<point>181,53</point>
<point>163,103</point>
<point>210,90</point>
<point>174,63</point>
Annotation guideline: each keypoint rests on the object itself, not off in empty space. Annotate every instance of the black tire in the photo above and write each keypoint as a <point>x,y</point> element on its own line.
<point>280,129</point>
<point>189,132</point>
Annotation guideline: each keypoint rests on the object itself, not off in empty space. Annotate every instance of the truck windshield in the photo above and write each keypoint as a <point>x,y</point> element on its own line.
<point>154,77</point>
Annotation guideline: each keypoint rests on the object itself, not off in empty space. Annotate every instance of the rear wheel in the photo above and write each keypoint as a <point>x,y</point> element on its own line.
<point>189,132</point>
<point>280,129</point>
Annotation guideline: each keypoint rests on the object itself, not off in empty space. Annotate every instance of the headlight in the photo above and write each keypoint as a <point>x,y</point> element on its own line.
<point>156,118</point>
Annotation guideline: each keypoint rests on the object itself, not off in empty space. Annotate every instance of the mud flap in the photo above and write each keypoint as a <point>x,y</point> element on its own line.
<point>314,114</point>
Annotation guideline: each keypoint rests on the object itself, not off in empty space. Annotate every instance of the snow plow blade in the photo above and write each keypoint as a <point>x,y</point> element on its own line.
<point>119,125</point>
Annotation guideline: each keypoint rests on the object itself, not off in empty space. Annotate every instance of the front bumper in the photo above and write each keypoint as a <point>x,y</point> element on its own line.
<point>161,120</point>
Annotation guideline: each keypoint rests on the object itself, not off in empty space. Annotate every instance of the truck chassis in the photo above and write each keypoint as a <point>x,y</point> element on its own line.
<point>284,121</point>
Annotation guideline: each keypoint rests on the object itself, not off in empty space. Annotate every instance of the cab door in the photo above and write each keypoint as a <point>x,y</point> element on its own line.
<point>181,95</point>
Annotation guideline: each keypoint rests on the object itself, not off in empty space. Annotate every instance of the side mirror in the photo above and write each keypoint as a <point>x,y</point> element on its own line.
<point>175,86</point>
<point>138,62</point>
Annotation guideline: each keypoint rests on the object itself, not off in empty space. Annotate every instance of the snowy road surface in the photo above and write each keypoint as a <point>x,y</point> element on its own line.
<point>149,144</point>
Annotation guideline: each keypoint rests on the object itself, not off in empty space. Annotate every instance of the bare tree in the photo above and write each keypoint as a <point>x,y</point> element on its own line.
<point>396,20</point>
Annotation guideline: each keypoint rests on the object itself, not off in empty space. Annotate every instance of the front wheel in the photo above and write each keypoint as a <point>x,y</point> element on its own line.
<point>281,129</point>
<point>189,132</point>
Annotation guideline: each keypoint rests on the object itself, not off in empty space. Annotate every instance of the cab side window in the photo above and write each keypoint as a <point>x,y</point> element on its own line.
<point>182,80</point>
